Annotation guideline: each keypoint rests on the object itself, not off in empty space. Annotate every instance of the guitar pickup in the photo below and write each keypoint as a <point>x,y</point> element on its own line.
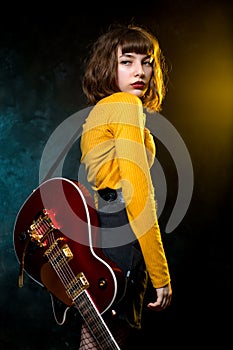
<point>58,255</point>
<point>77,286</point>
<point>67,252</point>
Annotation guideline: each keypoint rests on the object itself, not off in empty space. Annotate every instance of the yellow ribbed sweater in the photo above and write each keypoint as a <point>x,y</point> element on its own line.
<point>118,151</point>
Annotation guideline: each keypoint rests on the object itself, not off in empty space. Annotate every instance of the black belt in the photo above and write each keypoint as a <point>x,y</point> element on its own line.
<point>108,194</point>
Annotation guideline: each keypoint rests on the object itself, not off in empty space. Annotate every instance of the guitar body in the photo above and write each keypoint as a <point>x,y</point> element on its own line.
<point>56,239</point>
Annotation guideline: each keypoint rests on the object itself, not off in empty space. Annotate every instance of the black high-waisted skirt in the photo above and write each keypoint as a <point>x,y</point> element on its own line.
<point>119,243</point>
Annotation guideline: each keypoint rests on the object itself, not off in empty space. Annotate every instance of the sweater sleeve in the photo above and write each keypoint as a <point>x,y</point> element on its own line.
<point>150,147</point>
<point>127,124</point>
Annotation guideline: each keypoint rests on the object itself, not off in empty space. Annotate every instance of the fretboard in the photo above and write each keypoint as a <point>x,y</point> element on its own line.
<point>95,322</point>
<point>76,288</point>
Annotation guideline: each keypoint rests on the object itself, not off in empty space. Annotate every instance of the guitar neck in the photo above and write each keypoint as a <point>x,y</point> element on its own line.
<point>76,288</point>
<point>95,322</point>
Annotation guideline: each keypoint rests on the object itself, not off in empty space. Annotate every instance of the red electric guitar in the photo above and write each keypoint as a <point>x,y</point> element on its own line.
<point>56,243</point>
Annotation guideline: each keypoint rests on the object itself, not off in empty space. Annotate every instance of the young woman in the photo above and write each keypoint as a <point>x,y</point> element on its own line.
<point>125,74</point>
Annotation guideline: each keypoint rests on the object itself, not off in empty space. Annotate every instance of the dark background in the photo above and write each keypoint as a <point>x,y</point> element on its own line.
<point>41,58</point>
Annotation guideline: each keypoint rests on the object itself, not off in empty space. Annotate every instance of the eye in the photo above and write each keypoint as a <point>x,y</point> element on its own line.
<point>125,62</point>
<point>148,63</point>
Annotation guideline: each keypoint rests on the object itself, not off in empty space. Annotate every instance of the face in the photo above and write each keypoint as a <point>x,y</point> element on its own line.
<point>134,72</point>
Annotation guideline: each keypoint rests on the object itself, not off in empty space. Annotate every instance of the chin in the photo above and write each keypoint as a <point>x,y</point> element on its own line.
<point>137,93</point>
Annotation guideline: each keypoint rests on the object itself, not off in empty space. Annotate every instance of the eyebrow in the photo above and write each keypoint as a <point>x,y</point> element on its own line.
<point>132,55</point>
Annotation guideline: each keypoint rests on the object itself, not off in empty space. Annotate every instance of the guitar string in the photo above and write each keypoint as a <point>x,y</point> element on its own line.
<point>56,252</point>
<point>42,227</point>
<point>105,334</point>
<point>94,326</point>
<point>66,278</point>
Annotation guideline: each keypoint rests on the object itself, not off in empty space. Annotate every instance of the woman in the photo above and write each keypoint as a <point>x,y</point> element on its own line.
<point>125,74</point>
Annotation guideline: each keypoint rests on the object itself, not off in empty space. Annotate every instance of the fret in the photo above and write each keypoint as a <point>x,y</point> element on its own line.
<point>76,289</point>
<point>95,322</point>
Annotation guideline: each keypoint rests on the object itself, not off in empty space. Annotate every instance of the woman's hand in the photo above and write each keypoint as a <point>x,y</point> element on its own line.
<point>164,296</point>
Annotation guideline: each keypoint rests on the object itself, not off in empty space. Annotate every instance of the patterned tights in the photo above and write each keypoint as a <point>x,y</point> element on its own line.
<point>120,332</point>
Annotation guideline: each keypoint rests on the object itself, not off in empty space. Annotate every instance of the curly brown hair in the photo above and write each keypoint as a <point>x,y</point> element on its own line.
<point>100,77</point>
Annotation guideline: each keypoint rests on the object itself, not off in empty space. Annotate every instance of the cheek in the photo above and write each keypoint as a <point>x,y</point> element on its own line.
<point>148,74</point>
<point>120,78</point>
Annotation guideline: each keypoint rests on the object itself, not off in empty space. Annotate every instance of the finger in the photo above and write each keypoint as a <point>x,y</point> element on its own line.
<point>154,306</point>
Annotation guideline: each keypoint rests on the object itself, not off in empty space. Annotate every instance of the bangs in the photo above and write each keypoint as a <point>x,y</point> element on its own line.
<point>135,41</point>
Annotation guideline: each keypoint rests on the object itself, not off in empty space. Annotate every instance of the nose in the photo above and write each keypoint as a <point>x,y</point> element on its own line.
<point>139,72</point>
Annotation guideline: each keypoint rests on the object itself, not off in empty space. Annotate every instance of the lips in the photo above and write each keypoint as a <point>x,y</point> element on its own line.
<point>138,85</point>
